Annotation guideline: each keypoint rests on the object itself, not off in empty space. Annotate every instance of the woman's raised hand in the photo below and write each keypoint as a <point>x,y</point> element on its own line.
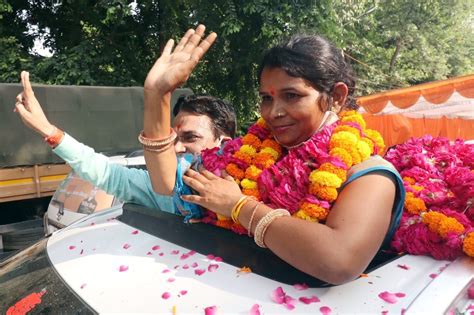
<point>174,66</point>
<point>29,109</point>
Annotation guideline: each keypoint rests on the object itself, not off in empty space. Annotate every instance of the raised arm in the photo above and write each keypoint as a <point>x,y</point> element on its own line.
<point>171,70</point>
<point>130,185</point>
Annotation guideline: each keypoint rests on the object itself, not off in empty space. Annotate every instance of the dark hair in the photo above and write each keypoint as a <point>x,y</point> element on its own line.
<point>314,58</point>
<point>220,112</point>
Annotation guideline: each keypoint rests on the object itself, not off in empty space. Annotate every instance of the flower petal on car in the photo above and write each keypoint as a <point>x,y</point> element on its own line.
<point>199,271</point>
<point>325,310</point>
<point>309,300</point>
<point>255,310</point>
<point>280,297</point>
<point>391,298</point>
<point>210,310</point>
<point>212,267</point>
<point>300,286</point>
<point>123,268</point>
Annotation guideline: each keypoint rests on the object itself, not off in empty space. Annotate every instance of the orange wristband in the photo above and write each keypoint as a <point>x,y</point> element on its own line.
<point>54,138</point>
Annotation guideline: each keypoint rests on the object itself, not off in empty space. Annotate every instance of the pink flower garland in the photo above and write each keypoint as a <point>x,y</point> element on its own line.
<point>438,218</point>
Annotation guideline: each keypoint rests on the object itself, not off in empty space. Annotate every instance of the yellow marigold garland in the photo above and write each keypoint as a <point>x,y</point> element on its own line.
<point>350,143</point>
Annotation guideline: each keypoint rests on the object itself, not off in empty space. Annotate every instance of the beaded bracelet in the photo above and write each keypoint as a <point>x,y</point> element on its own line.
<point>158,150</point>
<point>157,143</point>
<point>265,222</point>
<point>54,138</point>
<point>252,216</point>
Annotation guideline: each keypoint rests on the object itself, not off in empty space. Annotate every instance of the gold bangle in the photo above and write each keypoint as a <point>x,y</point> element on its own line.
<point>236,209</point>
<point>265,222</point>
<point>252,216</point>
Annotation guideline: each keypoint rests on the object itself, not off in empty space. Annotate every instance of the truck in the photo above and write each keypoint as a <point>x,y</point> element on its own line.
<point>105,118</point>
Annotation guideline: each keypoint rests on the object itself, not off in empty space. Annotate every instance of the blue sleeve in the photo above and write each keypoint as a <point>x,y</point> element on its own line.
<point>128,185</point>
<point>399,197</point>
<point>187,209</point>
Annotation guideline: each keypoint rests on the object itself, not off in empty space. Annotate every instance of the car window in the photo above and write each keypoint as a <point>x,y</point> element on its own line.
<point>30,284</point>
<point>77,195</point>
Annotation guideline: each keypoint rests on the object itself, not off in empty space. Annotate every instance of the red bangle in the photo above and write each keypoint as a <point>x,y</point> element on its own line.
<point>54,138</point>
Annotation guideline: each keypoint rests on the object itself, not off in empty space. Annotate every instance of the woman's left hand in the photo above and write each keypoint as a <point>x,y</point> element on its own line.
<point>215,193</point>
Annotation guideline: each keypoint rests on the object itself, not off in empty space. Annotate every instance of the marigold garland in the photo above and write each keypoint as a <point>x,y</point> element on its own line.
<point>439,180</point>
<point>266,171</point>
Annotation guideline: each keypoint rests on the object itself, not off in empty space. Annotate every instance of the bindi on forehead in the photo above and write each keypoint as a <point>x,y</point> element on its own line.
<point>272,91</point>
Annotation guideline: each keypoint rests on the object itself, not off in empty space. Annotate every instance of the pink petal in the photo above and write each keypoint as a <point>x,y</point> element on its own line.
<point>171,280</point>
<point>391,298</point>
<point>289,302</point>
<point>123,268</point>
<point>165,271</point>
<point>185,267</point>
<point>212,267</point>
<point>470,292</point>
<point>176,267</point>
<point>156,247</point>
<point>184,256</point>
<point>278,295</point>
<point>384,312</point>
<point>135,232</point>
<point>403,267</point>
<point>199,271</point>
<point>255,310</point>
<point>210,310</point>
<point>183,292</point>
<point>433,275</point>
<point>72,247</point>
<point>191,252</point>
<point>300,286</point>
<point>161,254</point>
<point>149,253</point>
<point>83,285</point>
<point>210,257</point>
<point>194,264</point>
<point>309,300</point>
<point>218,259</point>
<point>165,295</point>
<point>175,252</point>
<point>325,310</point>
<point>126,246</point>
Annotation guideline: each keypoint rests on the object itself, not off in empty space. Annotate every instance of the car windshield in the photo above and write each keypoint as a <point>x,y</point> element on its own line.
<point>30,284</point>
<point>237,250</point>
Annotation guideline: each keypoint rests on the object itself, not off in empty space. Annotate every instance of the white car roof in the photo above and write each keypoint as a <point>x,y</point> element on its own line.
<point>115,267</point>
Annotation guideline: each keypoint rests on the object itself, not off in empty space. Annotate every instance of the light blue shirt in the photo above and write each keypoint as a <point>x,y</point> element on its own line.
<point>127,184</point>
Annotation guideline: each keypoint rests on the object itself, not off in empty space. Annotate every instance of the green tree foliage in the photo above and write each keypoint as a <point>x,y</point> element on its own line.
<point>391,43</point>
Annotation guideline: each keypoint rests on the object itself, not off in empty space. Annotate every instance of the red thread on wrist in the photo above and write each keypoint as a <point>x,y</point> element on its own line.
<point>54,138</point>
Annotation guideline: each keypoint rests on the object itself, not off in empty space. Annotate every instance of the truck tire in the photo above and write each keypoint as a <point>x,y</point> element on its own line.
<point>19,235</point>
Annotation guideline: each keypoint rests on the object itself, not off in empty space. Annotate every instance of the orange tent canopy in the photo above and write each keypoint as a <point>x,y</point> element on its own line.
<point>437,92</point>
<point>442,108</point>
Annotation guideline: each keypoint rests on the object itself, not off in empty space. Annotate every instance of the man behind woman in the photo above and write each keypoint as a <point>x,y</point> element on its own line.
<point>200,122</point>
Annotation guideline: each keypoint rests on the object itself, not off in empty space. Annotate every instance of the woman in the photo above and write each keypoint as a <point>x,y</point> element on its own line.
<point>321,211</point>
